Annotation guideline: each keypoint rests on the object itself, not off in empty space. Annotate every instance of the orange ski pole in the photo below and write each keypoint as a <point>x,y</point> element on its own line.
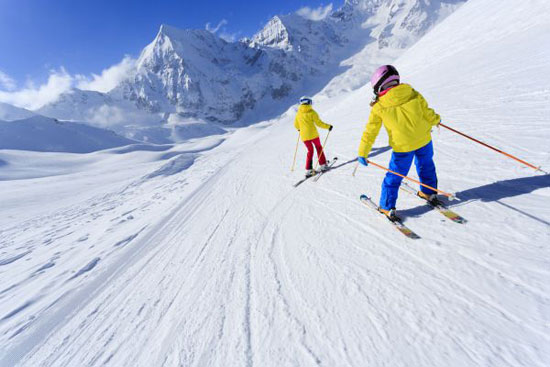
<point>450,196</point>
<point>495,149</point>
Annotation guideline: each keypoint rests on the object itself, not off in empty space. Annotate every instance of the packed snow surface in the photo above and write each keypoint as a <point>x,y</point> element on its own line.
<point>203,254</point>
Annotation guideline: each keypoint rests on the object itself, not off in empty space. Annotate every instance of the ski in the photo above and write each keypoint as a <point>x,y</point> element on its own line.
<point>439,206</point>
<point>398,224</point>
<point>330,167</point>
<point>304,179</point>
<point>313,175</point>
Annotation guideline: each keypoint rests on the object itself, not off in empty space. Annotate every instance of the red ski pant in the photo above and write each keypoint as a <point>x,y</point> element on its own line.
<point>309,145</point>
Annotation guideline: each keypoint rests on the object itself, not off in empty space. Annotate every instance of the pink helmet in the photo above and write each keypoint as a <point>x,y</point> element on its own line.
<point>383,75</point>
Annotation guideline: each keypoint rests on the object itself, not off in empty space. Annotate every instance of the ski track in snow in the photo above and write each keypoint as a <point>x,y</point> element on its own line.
<point>205,255</point>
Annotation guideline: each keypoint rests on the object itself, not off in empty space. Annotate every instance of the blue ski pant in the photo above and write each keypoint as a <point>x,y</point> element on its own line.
<point>401,163</point>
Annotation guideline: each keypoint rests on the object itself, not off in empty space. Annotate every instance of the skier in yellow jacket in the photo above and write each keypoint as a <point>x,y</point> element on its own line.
<point>408,121</point>
<point>305,122</point>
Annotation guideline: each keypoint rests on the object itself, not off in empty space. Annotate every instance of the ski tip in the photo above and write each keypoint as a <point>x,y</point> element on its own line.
<point>363,197</point>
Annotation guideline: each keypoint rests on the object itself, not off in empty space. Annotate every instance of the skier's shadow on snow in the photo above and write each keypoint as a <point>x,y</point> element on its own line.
<point>494,192</point>
<point>374,152</point>
<point>377,151</point>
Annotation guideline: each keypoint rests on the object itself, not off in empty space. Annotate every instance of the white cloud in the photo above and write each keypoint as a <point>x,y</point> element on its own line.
<point>214,30</point>
<point>60,81</point>
<point>105,116</point>
<point>222,32</point>
<point>109,78</point>
<point>319,13</point>
<point>33,97</point>
<point>6,82</point>
<point>229,37</point>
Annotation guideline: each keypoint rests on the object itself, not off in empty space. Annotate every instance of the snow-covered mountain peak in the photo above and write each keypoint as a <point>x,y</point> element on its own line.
<point>396,23</point>
<point>274,34</point>
<point>173,42</point>
<point>183,36</point>
<point>161,44</point>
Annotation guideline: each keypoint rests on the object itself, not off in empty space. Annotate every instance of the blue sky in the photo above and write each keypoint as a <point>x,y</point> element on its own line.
<point>84,37</point>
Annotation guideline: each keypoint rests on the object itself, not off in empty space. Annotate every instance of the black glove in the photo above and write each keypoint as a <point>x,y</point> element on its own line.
<point>330,128</point>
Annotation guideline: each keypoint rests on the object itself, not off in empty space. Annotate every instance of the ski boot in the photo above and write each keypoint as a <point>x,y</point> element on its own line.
<point>323,167</point>
<point>310,172</point>
<point>391,214</point>
<point>430,198</point>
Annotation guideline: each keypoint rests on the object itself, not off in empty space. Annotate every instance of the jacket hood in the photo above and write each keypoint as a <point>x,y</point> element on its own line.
<point>397,96</point>
<point>304,108</point>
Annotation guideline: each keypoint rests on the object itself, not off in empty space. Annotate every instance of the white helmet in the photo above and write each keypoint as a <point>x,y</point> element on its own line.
<point>306,100</point>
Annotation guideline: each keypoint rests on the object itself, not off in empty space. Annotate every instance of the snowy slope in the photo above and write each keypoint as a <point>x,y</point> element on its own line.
<point>43,134</point>
<point>10,113</point>
<point>203,254</point>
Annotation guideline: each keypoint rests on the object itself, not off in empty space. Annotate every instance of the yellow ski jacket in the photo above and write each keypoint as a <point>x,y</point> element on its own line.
<point>406,117</point>
<point>305,121</point>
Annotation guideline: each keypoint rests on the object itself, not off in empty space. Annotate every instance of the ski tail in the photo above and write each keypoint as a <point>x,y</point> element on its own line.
<point>397,224</point>
<point>330,166</point>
